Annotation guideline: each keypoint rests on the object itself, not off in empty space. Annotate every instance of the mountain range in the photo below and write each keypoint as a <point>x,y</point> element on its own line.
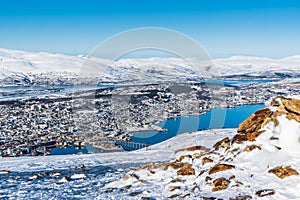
<point>16,64</point>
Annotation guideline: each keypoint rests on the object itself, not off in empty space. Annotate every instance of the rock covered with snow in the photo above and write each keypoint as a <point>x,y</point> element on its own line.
<point>260,162</point>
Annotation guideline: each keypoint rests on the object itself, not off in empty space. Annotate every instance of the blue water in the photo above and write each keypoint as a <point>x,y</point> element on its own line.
<point>216,118</point>
<point>69,150</point>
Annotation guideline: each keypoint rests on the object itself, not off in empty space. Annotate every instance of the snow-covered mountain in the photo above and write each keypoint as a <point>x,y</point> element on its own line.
<point>26,64</point>
<point>260,162</point>
<point>257,65</point>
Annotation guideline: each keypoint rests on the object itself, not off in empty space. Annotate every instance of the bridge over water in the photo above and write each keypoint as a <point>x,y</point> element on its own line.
<point>130,146</point>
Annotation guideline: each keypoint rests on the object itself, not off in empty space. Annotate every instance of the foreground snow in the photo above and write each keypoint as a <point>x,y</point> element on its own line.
<point>85,176</point>
<point>159,152</point>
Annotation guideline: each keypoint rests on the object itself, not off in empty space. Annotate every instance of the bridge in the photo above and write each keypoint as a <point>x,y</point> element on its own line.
<point>130,146</point>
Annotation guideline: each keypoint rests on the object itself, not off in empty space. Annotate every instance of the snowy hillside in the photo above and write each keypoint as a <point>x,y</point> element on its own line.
<point>257,65</point>
<point>260,162</point>
<point>26,64</point>
<point>84,176</point>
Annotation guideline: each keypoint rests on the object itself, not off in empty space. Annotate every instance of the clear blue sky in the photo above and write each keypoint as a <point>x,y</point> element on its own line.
<point>226,27</point>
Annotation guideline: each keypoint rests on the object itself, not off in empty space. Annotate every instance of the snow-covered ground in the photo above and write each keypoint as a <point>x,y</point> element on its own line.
<point>100,169</point>
<point>159,152</point>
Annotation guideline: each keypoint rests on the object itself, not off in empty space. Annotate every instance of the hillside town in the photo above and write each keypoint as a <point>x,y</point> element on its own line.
<point>35,127</point>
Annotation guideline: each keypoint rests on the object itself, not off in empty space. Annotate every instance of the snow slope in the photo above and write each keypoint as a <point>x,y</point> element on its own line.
<point>14,62</point>
<point>62,177</point>
<point>159,152</point>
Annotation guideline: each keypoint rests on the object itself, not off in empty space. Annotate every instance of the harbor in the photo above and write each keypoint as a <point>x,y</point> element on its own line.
<point>108,117</point>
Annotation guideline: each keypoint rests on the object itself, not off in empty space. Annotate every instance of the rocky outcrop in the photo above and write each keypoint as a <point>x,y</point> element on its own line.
<point>248,136</point>
<point>220,184</point>
<point>255,122</point>
<point>265,192</point>
<point>219,168</point>
<point>206,160</point>
<point>291,105</point>
<point>283,171</point>
<point>252,147</point>
<point>186,170</point>
<point>193,148</point>
<point>224,143</point>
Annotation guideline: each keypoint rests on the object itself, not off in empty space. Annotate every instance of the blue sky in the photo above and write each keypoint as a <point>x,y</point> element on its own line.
<point>224,28</point>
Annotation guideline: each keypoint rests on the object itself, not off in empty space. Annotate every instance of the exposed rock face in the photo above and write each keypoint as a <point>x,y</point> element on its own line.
<point>193,148</point>
<point>224,143</point>
<point>288,106</point>
<point>249,136</point>
<point>292,105</point>
<point>266,192</point>
<point>206,160</point>
<point>252,147</point>
<point>186,170</point>
<point>183,157</point>
<point>220,184</point>
<point>255,121</point>
<point>219,168</point>
<point>283,171</point>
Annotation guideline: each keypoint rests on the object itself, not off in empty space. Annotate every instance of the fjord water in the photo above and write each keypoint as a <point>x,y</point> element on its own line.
<point>216,118</point>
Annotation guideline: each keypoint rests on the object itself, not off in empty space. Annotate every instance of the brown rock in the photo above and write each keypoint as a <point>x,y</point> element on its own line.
<point>292,105</point>
<point>245,197</point>
<point>224,143</point>
<point>152,166</point>
<point>283,171</point>
<point>240,138</point>
<point>193,148</point>
<point>198,155</point>
<point>127,187</point>
<point>220,184</point>
<point>175,188</point>
<point>185,196</point>
<point>174,165</point>
<point>251,136</point>
<point>177,180</point>
<point>207,179</point>
<point>146,198</point>
<point>219,168</point>
<point>275,101</point>
<point>293,116</point>
<point>173,196</point>
<point>209,198</point>
<point>183,157</point>
<point>206,160</point>
<point>252,147</point>
<point>265,192</point>
<point>186,170</point>
<point>255,121</point>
